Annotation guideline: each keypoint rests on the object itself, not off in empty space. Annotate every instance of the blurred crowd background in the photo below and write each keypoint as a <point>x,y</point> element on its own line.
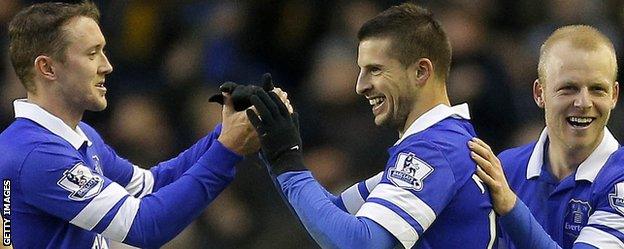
<point>169,56</point>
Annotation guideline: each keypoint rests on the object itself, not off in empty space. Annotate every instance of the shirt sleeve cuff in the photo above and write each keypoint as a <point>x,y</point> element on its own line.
<point>517,213</point>
<point>220,159</point>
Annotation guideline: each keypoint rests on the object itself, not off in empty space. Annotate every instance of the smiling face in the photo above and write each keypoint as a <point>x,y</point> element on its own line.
<point>81,75</point>
<point>384,82</point>
<point>578,95</point>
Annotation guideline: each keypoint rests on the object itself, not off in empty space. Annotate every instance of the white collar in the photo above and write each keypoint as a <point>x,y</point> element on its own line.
<point>588,168</point>
<point>25,109</point>
<point>435,115</point>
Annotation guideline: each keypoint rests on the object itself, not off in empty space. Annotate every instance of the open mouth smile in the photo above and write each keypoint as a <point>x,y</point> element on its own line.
<point>580,122</point>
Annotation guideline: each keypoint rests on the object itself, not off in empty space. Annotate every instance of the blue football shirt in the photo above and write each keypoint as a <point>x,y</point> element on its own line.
<point>561,207</point>
<point>68,189</point>
<point>429,195</point>
<point>605,227</point>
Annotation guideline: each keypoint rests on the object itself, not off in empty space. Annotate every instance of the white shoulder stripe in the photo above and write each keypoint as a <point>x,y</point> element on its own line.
<point>120,225</point>
<point>611,220</point>
<point>372,182</point>
<point>352,199</point>
<point>408,202</point>
<point>391,221</point>
<point>149,183</point>
<point>136,182</point>
<point>99,206</point>
<point>142,180</point>
<point>599,239</point>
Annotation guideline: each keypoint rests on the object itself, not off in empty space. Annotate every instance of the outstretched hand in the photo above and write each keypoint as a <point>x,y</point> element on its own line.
<point>278,131</point>
<point>237,133</point>
<point>491,172</point>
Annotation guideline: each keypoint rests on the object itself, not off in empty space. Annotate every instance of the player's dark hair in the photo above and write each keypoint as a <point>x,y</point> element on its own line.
<point>38,30</point>
<point>414,34</point>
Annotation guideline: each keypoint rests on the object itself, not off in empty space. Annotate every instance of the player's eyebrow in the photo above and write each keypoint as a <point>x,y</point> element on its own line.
<point>371,65</point>
<point>96,46</point>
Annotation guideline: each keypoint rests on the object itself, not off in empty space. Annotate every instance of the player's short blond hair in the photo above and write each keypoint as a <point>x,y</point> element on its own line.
<point>580,37</point>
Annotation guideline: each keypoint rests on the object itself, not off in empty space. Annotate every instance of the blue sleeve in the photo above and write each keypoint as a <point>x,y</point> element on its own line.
<point>330,226</point>
<point>169,171</point>
<point>56,181</point>
<point>524,230</point>
<point>605,226</point>
<point>140,182</point>
<point>337,200</point>
<point>352,199</point>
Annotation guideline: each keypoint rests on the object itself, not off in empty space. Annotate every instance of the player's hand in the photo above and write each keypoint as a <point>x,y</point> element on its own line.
<point>241,93</point>
<point>237,133</point>
<point>278,130</point>
<point>491,172</point>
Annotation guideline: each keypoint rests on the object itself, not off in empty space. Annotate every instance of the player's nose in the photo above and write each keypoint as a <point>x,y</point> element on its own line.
<point>583,99</point>
<point>106,67</point>
<point>363,84</point>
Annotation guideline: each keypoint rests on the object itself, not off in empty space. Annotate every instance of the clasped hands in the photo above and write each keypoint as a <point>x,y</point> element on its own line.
<point>271,116</point>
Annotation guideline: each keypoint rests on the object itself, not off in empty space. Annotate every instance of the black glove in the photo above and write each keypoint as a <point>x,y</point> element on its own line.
<point>240,93</point>
<point>278,131</point>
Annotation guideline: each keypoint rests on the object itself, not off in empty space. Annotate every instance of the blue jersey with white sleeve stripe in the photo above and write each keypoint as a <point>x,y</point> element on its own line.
<point>427,197</point>
<point>563,207</point>
<point>605,227</point>
<point>430,177</point>
<point>69,189</point>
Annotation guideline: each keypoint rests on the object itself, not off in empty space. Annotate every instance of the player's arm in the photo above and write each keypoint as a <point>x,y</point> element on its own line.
<point>605,226</point>
<point>330,226</point>
<point>515,217</point>
<point>604,230</point>
<point>385,207</point>
<point>57,182</point>
<point>352,199</point>
<point>140,182</point>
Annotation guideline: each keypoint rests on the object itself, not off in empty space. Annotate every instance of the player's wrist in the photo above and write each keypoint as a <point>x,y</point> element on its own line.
<point>288,162</point>
<point>507,204</point>
<point>231,145</point>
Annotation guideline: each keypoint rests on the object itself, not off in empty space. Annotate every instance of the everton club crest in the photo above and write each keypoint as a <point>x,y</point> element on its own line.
<point>81,182</point>
<point>409,172</point>
<point>576,217</point>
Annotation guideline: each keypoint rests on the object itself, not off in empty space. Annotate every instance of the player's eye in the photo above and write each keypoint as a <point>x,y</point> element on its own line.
<point>567,89</point>
<point>599,89</point>
<point>375,71</point>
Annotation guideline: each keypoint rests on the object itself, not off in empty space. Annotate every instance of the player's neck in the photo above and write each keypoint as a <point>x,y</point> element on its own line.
<point>58,108</point>
<point>564,160</point>
<point>423,103</point>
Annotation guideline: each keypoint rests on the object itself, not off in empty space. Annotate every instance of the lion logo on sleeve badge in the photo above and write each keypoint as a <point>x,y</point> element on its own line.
<point>409,172</point>
<point>616,199</point>
<point>81,182</point>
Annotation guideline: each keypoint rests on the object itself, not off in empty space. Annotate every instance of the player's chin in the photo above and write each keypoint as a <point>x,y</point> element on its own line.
<point>381,120</point>
<point>98,105</point>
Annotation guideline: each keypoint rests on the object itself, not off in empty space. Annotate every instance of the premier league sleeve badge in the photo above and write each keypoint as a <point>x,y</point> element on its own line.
<point>409,172</point>
<point>81,182</point>
<point>616,199</point>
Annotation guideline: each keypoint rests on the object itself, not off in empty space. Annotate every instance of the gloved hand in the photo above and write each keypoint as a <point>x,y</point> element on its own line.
<point>278,131</point>
<point>241,93</point>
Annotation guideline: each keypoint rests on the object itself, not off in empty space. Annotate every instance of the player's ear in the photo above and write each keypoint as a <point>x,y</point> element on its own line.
<point>538,93</point>
<point>616,94</point>
<point>421,71</point>
<point>44,67</point>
